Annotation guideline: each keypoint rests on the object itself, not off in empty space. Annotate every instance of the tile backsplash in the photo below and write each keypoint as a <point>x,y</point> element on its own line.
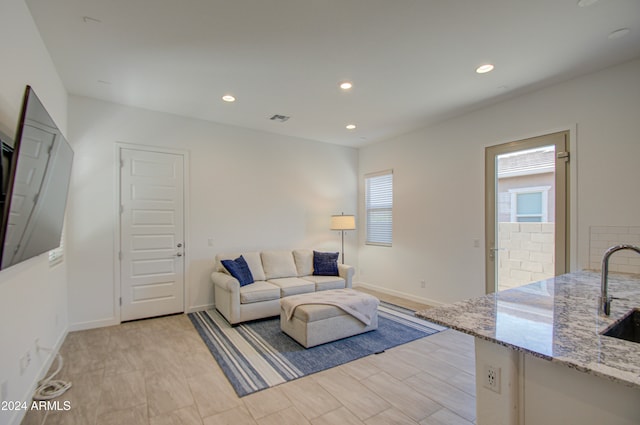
<point>603,237</point>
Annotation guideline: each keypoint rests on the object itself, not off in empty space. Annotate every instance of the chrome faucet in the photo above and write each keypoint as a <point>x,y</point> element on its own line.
<point>605,298</point>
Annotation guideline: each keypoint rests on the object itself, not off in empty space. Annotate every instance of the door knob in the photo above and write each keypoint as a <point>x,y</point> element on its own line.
<point>179,254</point>
<point>179,245</point>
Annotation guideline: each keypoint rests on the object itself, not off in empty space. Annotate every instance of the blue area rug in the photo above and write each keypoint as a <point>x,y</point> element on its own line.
<point>258,355</point>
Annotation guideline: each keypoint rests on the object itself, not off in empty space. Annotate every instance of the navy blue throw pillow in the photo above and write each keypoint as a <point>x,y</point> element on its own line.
<point>325,263</point>
<point>239,269</point>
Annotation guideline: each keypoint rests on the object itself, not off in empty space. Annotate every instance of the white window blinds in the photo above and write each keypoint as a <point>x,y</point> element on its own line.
<point>379,206</point>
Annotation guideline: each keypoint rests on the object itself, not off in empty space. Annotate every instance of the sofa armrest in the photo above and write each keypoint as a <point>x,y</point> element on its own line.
<point>346,272</point>
<point>225,281</point>
<point>227,296</point>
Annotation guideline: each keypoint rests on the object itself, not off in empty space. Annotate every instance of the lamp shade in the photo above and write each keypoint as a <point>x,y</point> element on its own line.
<point>343,222</point>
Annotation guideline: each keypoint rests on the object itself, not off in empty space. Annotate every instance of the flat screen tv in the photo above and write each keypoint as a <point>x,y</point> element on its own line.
<point>35,183</point>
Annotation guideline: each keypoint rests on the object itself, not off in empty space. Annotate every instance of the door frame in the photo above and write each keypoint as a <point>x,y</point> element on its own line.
<point>571,225</point>
<point>119,146</point>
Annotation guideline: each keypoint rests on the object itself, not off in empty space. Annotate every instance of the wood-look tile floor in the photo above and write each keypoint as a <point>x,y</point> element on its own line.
<point>159,372</point>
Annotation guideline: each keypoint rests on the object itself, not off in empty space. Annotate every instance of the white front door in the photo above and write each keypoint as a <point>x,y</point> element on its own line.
<point>152,233</point>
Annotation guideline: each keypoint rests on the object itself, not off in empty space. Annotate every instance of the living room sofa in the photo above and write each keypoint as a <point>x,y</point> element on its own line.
<point>276,274</point>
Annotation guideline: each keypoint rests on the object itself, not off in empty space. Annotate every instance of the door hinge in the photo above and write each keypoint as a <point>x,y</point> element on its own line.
<point>121,209</point>
<point>120,301</point>
<point>120,255</point>
<point>563,155</point>
<point>122,163</point>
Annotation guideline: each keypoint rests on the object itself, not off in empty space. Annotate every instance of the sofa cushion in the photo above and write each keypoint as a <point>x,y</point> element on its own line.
<point>293,286</point>
<point>325,263</point>
<point>324,283</point>
<point>304,261</point>
<point>253,261</point>
<point>278,264</point>
<point>259,291</point>
<point>239,269</point>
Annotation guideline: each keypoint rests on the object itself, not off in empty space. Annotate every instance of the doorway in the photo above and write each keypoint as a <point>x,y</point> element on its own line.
<point>526,184</point>
<point>152,229</point>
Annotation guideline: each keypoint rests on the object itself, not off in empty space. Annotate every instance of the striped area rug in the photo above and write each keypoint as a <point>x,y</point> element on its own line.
<point>258,355</point>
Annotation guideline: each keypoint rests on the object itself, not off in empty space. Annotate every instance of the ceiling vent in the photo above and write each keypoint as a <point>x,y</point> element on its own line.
<point>280,118</point>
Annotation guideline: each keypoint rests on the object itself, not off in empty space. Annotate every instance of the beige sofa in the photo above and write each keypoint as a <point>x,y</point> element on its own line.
<point>277,274</point>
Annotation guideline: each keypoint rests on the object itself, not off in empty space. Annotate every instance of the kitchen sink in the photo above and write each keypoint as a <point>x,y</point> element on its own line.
<point>628,328</point>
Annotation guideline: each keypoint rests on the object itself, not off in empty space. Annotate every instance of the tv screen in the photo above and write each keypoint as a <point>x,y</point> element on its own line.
<point>35,183</point>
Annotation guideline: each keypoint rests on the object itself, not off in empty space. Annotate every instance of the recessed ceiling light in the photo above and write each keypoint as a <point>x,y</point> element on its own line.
<point>585,3</point>
<point>350,126</point>
<point>346,85</point>
<point>618,33</point>
<point>228,98</point>
<point>483,69</point>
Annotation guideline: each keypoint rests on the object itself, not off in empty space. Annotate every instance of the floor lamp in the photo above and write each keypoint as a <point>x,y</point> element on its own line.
<point>343,222</point>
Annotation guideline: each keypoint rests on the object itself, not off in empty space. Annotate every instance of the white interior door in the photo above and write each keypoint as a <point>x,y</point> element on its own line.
<point>152,233</point>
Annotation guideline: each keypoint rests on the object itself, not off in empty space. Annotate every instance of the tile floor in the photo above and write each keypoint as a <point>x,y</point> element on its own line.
<point>159,372</point>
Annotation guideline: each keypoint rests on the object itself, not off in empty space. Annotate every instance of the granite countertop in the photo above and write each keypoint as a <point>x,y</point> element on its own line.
<point>557,320</point>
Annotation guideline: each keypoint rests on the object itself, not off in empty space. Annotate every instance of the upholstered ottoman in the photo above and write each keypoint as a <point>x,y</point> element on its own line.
<point>314,323</point>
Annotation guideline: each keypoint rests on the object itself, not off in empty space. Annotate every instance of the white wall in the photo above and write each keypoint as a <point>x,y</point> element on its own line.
<point>33,297</point>
<point>439,180</point>
<point>249,190</point>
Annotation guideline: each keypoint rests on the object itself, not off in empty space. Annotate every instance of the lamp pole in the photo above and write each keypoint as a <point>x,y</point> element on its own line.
<point>342,246</point>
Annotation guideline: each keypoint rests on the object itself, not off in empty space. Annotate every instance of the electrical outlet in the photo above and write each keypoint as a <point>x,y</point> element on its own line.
<point>492,378</point>
<point>423,284</point>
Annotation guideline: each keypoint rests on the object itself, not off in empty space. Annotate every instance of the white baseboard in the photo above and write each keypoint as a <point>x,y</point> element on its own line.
<point>202,307</point>
<point>388,291</point>
<point>83,326</point>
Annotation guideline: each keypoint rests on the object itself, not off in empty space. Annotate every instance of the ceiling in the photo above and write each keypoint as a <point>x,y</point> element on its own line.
<point>412,62</point>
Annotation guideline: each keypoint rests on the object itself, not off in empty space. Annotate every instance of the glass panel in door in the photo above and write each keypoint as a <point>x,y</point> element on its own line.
<point>526,211</point>
<point>525,228</point>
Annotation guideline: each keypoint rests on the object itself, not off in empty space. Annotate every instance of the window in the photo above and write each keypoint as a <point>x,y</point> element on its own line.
<point>530,204</point>
<point>379,205</point>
